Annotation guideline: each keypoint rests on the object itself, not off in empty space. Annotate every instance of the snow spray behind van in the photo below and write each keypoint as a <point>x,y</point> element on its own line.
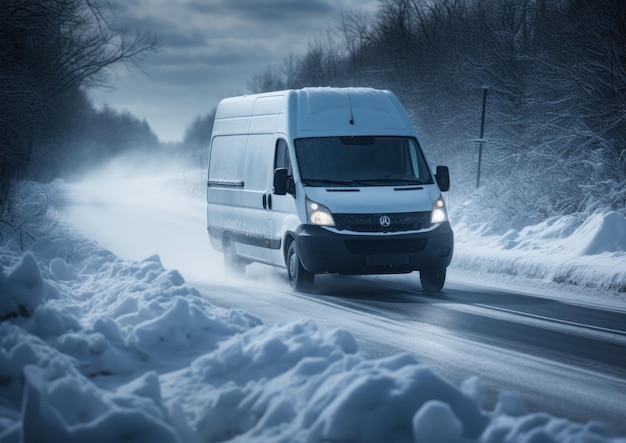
<point>325,180</point>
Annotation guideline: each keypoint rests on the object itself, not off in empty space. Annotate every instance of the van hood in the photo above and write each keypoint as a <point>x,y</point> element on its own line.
<point>375,199</point>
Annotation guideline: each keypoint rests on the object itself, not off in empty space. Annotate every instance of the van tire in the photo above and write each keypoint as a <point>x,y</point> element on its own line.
<point>299,278</point>
<point>433,279</point>
<point>232,262</point>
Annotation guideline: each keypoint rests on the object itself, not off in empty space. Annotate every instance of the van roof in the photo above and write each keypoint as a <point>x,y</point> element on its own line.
<point>323,111</point>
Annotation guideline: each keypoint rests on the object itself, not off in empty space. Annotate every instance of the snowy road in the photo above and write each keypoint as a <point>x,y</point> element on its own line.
<point>567,359</point>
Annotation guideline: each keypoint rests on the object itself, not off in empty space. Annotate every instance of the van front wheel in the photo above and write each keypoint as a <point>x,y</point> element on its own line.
<point>433,279</point>
<point>299,278</point>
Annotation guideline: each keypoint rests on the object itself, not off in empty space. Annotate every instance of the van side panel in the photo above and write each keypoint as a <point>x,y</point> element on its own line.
<point>224,185</point>
<point>240,174</point>
<point>227,159</point>
<point>235,207</point>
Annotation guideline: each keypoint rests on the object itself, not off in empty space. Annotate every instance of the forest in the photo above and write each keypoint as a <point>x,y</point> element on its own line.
<point>555,76</point>
<point>552,73</point>
<point>52,53</point>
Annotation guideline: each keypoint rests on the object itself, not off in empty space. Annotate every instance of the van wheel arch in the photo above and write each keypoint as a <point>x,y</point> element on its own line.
<point>299,278</point>
<point>232,262</point>
<point>289,238</point>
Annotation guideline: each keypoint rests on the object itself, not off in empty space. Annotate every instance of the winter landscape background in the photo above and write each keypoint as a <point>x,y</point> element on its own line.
<point>103,335</point>
<point>96,347</point>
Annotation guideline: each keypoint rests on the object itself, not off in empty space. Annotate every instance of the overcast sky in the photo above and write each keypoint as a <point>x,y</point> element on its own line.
<point>211,49</point>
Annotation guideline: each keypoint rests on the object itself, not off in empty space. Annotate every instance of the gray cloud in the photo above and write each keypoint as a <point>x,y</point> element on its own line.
<point>210,50</point>
<point>276,11</point>
<point>174,40</point>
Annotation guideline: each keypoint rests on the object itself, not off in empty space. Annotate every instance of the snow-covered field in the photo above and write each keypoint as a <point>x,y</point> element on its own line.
<point>98,348</point>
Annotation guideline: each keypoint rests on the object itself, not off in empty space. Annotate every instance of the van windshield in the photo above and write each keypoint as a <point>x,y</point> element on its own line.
<point>361,161</point>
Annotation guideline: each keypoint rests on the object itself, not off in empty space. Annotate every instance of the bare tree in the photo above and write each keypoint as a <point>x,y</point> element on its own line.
<point>322,64</point>
<point>354,35</point>
<point>51,50</point>
<point>198,134</point>
<point>556,71</point>
<point>269,80</point>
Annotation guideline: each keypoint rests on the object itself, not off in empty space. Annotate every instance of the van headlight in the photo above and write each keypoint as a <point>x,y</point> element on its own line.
<point>439,213</point>
<point>318,214</point>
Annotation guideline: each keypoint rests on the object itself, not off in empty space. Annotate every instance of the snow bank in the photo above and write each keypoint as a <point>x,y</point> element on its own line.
<point>564,249</point>
<point>98,349</point>
<point>601,233</point>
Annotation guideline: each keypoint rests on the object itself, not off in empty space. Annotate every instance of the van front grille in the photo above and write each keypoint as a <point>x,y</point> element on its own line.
<point>385,246</point>
<point>406,221</point>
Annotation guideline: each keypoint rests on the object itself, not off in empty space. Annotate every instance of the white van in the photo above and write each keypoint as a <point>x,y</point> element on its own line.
<point>325,180</point>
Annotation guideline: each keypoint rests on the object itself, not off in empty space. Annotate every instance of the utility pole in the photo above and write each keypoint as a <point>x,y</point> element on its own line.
<point>481,141</point>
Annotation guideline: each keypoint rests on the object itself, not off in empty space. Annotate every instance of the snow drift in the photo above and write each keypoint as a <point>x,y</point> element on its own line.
<point>100,349</point>
<point>588,252</point>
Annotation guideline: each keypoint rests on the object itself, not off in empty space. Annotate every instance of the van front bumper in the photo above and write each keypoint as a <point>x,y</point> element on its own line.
<point>325,251</point>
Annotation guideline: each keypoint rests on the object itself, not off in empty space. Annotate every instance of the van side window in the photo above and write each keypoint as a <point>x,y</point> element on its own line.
<point>281,159</point>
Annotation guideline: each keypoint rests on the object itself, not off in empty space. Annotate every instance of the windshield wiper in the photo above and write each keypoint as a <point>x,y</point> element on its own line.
<point>326,182</point>
<point>390,181</point>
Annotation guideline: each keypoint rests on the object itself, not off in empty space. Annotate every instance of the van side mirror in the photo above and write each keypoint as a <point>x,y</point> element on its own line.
<point>443,178</point>
<point>281,181</point>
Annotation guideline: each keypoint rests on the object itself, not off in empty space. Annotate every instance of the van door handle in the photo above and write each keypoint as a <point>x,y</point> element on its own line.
<point>264,201</point>
<point>269,201</point>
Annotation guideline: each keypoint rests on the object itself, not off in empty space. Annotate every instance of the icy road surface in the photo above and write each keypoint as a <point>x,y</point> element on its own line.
<point>567,359</point>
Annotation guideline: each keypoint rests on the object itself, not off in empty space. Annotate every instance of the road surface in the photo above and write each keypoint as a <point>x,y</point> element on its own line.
<point>565,358</point>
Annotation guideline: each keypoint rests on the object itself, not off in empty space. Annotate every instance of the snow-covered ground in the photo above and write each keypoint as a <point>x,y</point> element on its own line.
<point>587,256</point>
<point>94,347</point>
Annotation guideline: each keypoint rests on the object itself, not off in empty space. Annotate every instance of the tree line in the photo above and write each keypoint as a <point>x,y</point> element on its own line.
<point>52,52</point>
<point>556,107</point>
<point>555,72</point>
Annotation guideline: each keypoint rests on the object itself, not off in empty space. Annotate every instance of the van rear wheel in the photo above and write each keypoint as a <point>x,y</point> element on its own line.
<point>299,278</point>
<point>232,262</point>
<point>433,279</point>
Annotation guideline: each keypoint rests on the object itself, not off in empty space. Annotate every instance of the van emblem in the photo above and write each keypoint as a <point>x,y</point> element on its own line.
<point>385,221</point>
